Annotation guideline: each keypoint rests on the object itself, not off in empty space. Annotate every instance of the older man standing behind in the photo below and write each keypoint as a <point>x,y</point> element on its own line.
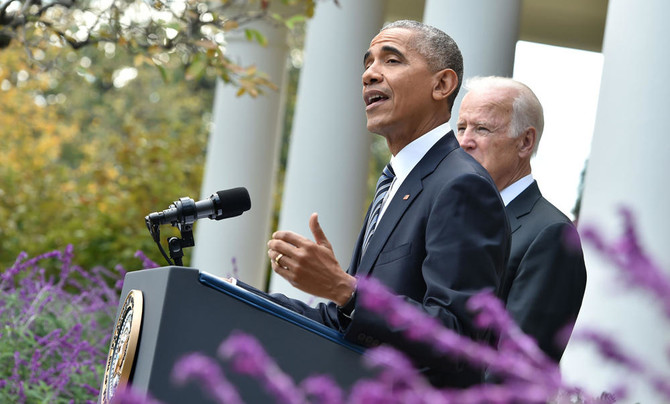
<point>500,123</point>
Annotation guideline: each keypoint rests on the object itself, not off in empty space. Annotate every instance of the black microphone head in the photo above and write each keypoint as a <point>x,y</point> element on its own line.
<point>233,202</point>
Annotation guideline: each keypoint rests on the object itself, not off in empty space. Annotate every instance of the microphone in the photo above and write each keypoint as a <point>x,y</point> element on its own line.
<point>220,205</point>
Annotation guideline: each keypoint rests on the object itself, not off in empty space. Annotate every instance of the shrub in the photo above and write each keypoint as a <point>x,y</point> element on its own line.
<point>55,330</point>
<point>55,335</point>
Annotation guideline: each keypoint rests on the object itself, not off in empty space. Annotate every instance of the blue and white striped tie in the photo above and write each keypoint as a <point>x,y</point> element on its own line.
<point>383,186</point>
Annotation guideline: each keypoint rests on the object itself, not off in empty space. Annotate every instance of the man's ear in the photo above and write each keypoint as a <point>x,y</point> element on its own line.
<point>445,84</point>
<point>527,142</point>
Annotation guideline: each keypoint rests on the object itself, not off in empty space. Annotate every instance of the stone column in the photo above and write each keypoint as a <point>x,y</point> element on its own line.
<point>628,166</point>
<point>243,151</point>
<point>486,31</point>
<point>328,156</point>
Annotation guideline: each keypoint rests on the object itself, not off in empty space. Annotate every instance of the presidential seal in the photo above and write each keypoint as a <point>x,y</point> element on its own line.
<point>123,346</point>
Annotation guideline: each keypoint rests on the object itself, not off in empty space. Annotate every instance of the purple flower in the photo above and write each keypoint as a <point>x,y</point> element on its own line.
<point>128,395</point>
<point>322,390</point>
<point>636,266</point>
<point>610,349</point>
<point>206,371</point>
<point>146,261</point>
<point>519,360</point>
<point>249,358</point>
<point>513,392</point>
<point>395,368</point>
<point>375,296</point>
<point>51,323</point>
<point>371,392</point>
<point>247,354</point>
<point>34,365</point>
<point>63,323</point>
<point>491,314</point>
<point>611,398</point>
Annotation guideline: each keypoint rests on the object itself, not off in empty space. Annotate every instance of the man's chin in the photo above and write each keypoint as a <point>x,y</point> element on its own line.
<point>374,127</point>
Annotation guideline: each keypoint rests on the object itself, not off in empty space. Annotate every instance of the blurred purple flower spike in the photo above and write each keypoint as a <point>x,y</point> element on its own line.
<point>528,374</point>
<point>146,261</point>
<point>628,255</point>
<point>207,372</point>
<point>322,389</point>
<point>127,395</point>
<point>249,358</point>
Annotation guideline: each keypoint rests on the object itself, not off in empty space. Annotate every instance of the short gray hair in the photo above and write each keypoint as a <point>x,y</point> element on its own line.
<point>438,48</point>
<point>526,108</point>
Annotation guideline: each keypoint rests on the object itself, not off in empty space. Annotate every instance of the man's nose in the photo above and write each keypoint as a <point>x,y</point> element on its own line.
<point>371,75</point>
<point>466,140</point>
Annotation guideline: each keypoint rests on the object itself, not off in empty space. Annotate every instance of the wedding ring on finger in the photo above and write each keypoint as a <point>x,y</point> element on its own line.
<point>278,258</point>
<point>279,263</point>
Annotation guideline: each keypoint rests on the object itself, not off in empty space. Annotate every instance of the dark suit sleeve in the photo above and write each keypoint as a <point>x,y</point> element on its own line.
<point>323,313</point>
<point>458,240</point>
<point>546,293</point>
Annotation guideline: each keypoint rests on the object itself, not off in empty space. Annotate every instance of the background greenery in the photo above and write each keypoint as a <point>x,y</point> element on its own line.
<point>84,160</point>
<point>95,138</point>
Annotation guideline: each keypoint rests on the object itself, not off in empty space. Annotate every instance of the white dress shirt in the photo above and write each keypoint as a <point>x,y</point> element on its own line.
<point>409,157</point>
<point>508,194</point>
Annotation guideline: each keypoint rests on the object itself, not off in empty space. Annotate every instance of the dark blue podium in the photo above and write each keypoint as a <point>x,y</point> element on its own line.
<point>186,310</point>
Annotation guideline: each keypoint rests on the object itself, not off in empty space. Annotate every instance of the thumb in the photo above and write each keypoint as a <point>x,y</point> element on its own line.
<point>317,231</point>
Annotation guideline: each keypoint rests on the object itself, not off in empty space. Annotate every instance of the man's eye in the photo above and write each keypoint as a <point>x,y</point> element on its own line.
<point>392,61</point>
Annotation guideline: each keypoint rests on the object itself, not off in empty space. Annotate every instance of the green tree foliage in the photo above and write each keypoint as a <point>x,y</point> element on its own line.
<point>105,113</point>
<point>188,34</point>
<point>85,157</point>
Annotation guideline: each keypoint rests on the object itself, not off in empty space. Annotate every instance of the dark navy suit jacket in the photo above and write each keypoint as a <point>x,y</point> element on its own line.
<point>443,238</point>
<point>545,279</point>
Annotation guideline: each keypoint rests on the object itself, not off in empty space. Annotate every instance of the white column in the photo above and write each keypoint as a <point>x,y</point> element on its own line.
<point>486,31</point>
<point>628,166</point>
<point>243,151</point>
<point>328,156</point>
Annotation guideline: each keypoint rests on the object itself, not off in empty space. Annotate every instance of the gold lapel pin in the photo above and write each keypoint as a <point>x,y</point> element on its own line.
<point>406,197</point>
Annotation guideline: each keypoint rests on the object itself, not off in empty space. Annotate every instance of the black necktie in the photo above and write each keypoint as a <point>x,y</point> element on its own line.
<point>383,186</point>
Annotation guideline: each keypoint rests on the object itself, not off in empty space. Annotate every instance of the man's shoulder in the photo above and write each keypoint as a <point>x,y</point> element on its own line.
<point>447,165</point>
<point>531,205</point>
<point>458,162</point>
<point>544,220</point>
<point>548,213</point>
<point>458,171</point>
<point>545,230</point>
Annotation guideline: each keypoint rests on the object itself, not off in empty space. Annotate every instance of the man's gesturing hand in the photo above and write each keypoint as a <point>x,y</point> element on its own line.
<point>310,266</point>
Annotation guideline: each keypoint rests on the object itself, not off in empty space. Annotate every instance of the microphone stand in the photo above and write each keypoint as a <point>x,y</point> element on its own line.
<point>176,244</point>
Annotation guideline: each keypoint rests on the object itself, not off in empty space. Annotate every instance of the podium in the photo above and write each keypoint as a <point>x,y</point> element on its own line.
<point>184,310</point>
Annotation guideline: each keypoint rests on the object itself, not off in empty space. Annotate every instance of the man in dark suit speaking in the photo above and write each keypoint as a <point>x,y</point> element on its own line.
<point>500,123</point>
<point>436,233</point>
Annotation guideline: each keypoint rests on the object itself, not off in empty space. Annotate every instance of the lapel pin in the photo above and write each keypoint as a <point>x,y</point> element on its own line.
<point>406,197</point>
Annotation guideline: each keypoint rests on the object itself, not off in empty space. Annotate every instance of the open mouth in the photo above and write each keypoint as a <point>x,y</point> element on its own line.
<point>374,97</point>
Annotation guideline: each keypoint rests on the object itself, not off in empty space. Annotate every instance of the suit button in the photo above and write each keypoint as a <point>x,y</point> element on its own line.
<point>360,338</point>
<point>368,340</point>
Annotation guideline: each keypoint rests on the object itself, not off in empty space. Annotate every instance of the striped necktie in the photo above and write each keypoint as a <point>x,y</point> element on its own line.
<point>383,186</point>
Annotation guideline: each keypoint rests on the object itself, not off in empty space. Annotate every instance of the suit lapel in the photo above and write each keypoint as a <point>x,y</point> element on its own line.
<point>403,198</point>
<point>522,205</point>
